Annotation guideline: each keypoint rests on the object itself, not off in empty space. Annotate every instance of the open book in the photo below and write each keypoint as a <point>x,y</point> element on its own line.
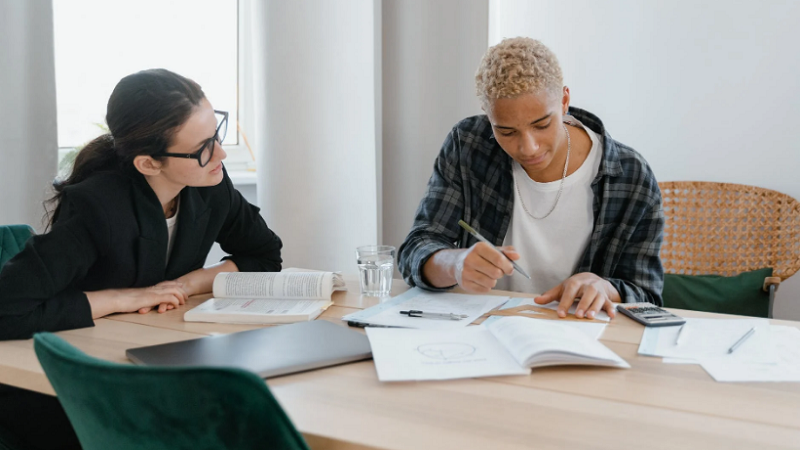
<point>508,346</point>
<point>267,297</point>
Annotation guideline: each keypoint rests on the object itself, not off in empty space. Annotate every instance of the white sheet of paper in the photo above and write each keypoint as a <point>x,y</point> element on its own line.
<point>786,343</point>
<point>679,361</point>
<point>592,329</point>
<point>519,301</point>
<point>245,306</point>
<point>539,343</point>
<point>408,355</point>
<point>709,338</point>
<point>473,306</point>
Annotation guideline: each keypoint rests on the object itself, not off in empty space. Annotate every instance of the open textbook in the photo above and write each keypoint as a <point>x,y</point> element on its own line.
<point>267,297</point>
<point>508,346</point>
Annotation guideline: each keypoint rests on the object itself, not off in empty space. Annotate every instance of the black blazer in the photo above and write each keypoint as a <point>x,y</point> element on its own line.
<point>111,233</point>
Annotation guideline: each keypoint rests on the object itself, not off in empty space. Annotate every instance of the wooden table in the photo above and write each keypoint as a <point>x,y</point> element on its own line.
<point>652,405</point>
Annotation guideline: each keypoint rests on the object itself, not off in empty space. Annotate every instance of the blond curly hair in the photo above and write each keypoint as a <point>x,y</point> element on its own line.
<point>517,66</point>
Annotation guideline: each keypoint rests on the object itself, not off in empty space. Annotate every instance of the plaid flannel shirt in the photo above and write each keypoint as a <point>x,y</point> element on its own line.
<point>472,180</point>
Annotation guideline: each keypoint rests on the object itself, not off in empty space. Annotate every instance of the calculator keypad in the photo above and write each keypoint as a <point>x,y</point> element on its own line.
<point>649,314</point>
<point>653,310</point>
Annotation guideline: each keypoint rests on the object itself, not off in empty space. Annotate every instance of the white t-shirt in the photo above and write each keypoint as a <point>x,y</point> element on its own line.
<point>551,248</point>
<point>172,227</point>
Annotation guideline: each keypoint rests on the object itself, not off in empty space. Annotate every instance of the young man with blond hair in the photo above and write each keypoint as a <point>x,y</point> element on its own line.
<point>577,210</point>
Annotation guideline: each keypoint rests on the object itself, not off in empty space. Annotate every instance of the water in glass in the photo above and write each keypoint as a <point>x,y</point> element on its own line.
<point>375,271</point>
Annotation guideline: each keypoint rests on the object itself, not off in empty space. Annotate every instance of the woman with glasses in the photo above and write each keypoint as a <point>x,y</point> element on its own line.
<point>132,227</point>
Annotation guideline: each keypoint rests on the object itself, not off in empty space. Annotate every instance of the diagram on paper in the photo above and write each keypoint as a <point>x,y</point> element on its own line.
<point>446,351</point>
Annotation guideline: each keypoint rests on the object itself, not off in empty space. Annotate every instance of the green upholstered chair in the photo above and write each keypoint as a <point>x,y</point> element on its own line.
<point>12,239</point>
<point>126,407</point>
<point>727,247</point>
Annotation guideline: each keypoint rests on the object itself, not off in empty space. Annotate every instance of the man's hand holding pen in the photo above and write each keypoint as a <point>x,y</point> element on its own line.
<point>478,268</point>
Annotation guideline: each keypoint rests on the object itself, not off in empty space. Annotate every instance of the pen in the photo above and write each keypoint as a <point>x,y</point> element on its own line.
<point>742,339</point>
<point>433,315</point>
<point>353,323</point>
<point>483,239</point>
<point>681,335</point>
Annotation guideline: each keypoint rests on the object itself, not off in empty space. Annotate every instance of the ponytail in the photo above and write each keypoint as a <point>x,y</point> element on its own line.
<point>144,111</point>
<point>96,156</point>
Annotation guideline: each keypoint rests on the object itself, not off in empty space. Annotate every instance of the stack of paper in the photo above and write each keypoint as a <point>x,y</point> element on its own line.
<point>786,367</point>
<point>771,353</point>
<point>388,314</point>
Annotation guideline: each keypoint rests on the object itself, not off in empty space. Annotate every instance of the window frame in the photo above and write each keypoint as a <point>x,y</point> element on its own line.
<point>240,162</point>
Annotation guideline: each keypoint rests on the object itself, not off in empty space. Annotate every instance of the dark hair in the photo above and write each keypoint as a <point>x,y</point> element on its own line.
<point>143,113</point>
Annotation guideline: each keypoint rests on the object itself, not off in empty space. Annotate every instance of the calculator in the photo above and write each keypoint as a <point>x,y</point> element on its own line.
<point>649,314</point>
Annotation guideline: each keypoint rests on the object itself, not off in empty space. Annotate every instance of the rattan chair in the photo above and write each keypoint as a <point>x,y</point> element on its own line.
<point>726,229</point>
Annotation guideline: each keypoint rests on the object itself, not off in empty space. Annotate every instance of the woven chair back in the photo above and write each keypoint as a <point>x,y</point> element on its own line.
<point>726,229</point>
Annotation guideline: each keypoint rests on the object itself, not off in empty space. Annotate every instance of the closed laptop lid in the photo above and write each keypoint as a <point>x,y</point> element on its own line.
<point>269,352</point>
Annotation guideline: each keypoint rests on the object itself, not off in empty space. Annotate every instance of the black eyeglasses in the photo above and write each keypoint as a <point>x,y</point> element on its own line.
<point>206,152</point>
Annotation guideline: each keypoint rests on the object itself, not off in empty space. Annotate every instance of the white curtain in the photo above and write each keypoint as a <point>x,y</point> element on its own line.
<point>27,110</point>
<point>431,50</point>
<point>314,66</point>
<point>352,100</point>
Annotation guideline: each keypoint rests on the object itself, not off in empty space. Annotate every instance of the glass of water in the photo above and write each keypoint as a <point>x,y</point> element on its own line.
<point>375,269</point>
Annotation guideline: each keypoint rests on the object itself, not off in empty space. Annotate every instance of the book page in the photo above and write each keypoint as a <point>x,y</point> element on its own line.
<point>250,310</point>
<point>289,285</point>
<point>407,355</point>
<point>536,343</point>
<point>592,329</point>
<point>338,280</point>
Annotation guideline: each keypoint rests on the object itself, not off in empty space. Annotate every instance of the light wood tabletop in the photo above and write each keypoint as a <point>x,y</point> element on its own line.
<point>652,405</point>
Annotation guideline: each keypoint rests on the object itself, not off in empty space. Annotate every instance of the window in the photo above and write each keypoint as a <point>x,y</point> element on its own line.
<point>98,42</point>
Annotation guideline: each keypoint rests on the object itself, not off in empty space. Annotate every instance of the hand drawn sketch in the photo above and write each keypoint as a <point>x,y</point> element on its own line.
<point>446,351</point>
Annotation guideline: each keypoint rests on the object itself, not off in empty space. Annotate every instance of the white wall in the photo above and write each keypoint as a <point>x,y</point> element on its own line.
<point>705,90</point>
<point>28,130</point>
<point>430,52</point>
<point>315,127</point>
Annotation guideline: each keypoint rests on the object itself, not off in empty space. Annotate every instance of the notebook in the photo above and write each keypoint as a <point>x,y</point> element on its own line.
<point>508,346</point>
<point>269,352</point>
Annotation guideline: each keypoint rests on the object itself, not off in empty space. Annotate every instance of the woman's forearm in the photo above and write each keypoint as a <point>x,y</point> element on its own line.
<point>103,302</point>
<point>200,281</point>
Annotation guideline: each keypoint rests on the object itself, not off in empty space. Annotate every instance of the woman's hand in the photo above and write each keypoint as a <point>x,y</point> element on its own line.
<point>168,305</point>
<point>200,281</point>
<point>165,295</point>
<point>595,293</point>
<point>196,282</point>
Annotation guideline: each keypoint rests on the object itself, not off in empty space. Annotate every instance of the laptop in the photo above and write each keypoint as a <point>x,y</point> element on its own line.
<point>269,352</point>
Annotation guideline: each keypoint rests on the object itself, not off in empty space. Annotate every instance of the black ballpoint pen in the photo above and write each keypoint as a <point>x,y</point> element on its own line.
<point>433,315</point>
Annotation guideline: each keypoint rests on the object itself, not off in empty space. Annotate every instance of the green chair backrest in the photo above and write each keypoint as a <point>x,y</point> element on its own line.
<point>741,294</point>
<point>128,407</point>
<point>12,240</point>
